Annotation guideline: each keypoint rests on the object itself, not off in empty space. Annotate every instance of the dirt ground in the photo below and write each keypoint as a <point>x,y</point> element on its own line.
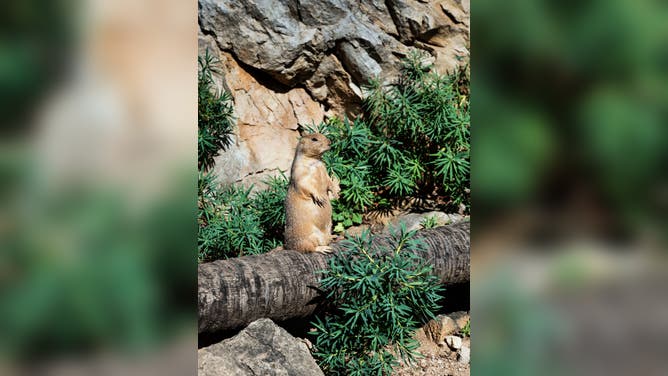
<point>437,361</point>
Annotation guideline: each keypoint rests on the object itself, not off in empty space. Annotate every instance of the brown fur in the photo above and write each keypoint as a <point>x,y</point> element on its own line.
<point>308,211</point>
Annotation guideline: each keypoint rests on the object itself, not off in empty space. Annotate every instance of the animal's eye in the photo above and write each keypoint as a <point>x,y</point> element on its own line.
<point>314,139</point>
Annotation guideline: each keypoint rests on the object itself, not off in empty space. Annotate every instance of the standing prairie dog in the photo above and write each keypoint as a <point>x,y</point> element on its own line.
<point>308,211</point>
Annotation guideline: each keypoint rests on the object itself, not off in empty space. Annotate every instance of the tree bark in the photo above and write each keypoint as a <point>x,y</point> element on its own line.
<point>284,284</point>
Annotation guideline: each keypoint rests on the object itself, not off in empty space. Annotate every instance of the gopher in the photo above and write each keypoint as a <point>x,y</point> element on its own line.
<point>308,211</point>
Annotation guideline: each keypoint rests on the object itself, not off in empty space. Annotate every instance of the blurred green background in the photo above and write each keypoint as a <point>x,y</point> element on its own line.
<point>83,272</point>
<point>36,40</point>
<point>97,200</point>
<point>570,99</point>
<point>569,186</point>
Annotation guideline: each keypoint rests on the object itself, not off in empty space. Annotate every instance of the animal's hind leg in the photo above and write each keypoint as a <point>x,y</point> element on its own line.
<point>316,242</point>
<point>307,245</point>
<point>323,242</point>
<point>324,249</point>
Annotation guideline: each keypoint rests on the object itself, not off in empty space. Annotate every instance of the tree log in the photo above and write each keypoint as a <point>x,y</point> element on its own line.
<point>284,284</point>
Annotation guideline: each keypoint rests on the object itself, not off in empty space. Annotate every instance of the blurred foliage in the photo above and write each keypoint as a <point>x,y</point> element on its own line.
<point>85,268</point>
<point>412,141</point>
<point>574,92</point>
<point>570,113</point>
<point>380,297</point>
<point>83,271</point>
<point>35,37</point>
<point>515,332</point>
<point>214,114</point>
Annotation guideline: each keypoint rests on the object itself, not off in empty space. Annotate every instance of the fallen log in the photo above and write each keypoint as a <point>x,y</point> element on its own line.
<point>284,284</point>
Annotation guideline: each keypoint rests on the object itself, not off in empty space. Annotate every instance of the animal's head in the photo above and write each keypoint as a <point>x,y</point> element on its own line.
<point>313,145</point>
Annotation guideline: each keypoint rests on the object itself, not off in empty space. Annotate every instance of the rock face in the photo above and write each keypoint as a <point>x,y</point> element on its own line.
<point>439,328</point>
<point>292,62</point>
<point>464,355</point>
<point>263,348</point>
<point>444,325</point>
<point>454,342</point>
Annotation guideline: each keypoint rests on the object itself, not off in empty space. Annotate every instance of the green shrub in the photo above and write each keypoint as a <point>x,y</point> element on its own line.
<point>412,140</point>
<point>235,222</point>
<point>429,222</point>
<point>381,297</point>
<point>466,330</point>
<point>214,115</point>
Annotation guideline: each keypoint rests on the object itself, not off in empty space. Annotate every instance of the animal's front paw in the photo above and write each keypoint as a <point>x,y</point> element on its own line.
<point>334,189</point>
<point>320,201</point>
<point>324,249</point>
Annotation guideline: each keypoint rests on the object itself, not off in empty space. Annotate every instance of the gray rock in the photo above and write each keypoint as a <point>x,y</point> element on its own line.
<point>440,327</point>
<point>288,39</point>
<point>358,62</point>
<point>453,342</point>
<point>326,50</point>
<point>263,348</point>
<point>332,84</point>
<point>464,355</point>
<point>265,34</point>
<point>412,19</point>
<point>379,15</point>
<point>460,318</point>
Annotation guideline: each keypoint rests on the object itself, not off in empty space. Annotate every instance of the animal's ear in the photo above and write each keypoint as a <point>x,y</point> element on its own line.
<point>302,130</point>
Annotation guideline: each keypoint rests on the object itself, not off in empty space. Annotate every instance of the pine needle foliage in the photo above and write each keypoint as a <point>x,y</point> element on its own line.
<point>381,294</point>
<point>412,140</point>
<point>214,114</point>
<point>429,222</point>
<point>234,222</point>
<point>423,123</point>
<point>466,330</point>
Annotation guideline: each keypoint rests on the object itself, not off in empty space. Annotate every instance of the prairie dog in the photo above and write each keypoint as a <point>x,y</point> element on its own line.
<point>308,211</point>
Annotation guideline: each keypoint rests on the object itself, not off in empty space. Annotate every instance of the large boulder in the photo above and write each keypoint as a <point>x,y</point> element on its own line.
<point>266,123</point>
<point>288,39</point>
<point>263,348</point>
<point>295,62</point>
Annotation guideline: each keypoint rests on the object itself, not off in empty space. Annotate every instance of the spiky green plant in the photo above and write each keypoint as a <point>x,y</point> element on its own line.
<point>214,114</point>
<point>429,222</point>
<point>233,221</point>
<point>466,330</point>
<point>412,140</point>
<point>422,125</point>
<point>381,295</point>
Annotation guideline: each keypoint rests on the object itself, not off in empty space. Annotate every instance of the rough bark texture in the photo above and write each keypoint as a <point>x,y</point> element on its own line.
<point>284,285</point>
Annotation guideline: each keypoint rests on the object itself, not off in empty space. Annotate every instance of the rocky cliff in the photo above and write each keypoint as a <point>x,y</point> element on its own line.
<point>292,62</point>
